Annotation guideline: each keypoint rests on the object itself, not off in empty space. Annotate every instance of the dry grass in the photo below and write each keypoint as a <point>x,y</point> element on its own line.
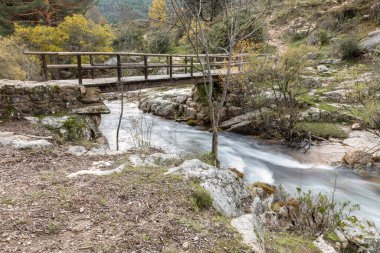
<point>141,210</point>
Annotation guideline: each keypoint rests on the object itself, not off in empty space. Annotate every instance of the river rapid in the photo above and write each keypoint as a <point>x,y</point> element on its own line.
<point>272,164</point>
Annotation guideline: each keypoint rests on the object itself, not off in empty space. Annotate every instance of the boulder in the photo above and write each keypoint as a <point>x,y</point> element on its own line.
<point>190,113</point>
<point>257,206</point>
<point>90,96</point>
<point>9,139</point>
<point>312,82</point>
<point>316,115</point>
<point>93,109</point>
<point>360,233</point>
<point>357,158</point>
<point>226,189</point>
<point>73,127</point>
<point>371,42</point>
<point>240,124</point>
<point>52,122</point>
<point>322,69</point>
<point>251,229</point>
<point>323,246</point>
<point>154,160</point>
<point>356,126</point>
<point>235,111</point>
<point>330,61</point>
<point>77,150</point>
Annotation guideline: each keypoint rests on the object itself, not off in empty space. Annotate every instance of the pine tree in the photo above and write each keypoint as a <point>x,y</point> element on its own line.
<point>157,11</point>
<point>39,12</point>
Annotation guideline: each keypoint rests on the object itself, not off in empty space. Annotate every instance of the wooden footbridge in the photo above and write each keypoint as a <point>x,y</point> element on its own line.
<point>133,70</point>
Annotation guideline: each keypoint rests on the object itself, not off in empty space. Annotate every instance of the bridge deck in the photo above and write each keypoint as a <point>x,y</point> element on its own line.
<point>139,82</point>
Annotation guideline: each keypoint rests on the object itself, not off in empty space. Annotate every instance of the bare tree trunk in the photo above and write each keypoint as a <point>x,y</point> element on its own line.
<point>120,117</point>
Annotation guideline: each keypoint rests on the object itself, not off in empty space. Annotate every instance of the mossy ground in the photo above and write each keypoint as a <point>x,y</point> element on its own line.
<point>289,243</point>
<point>322,129</point>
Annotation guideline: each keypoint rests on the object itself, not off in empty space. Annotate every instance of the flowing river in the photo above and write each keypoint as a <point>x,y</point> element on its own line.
<point>259,162</point>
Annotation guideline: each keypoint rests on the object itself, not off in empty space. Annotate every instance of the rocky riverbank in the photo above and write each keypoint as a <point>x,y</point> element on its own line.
<point>60,195</point>
<point>359,148</point>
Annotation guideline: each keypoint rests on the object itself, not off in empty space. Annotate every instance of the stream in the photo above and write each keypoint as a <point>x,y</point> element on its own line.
<point>271,164</point>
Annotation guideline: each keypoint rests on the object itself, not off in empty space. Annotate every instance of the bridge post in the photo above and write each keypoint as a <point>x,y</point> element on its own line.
<point>92,64</point>
<point>44,66</point>
<point>192,66</point>
<point>146,67</point>
<point>167,63</point>
<point>79,60</point>
<point>171,66</point>
<point>118,60</point>
<point>185,64</point>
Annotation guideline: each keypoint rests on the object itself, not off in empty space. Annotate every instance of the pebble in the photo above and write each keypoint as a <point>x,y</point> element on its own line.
<point>185,245</point>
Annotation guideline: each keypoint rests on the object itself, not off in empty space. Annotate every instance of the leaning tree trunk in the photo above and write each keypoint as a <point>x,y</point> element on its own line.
<point>120,117</point>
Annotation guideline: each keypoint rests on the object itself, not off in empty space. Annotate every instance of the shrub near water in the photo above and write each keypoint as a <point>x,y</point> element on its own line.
<point>322,129</point>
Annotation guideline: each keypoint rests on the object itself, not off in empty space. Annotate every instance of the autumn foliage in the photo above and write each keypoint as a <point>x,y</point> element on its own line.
<point>75,33</point>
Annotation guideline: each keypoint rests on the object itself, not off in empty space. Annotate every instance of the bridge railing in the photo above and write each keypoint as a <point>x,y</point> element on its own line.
<point>189,64</point>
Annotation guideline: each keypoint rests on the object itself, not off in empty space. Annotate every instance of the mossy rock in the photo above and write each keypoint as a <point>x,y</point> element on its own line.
<point>72,127</point>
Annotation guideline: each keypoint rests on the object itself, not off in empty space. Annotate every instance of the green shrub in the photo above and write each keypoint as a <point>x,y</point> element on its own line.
<point>324,37</point>
<point>208,158</point>
<point>349,48</point>
<point>322,129</point>
<point>202,199</point>
<point>192,122</point>
<point>130,37</point>
<point>159,42</point>
<point>332,212</point>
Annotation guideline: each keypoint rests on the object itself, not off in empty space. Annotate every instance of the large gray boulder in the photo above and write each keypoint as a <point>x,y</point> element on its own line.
<point>371,42</point>
<point>241,123</point>
<point>166,104</point>
<point>92,109</point>
<point>361,233</point>
<point>252,230</point>
<point>72,127</point>
<point>12,140</point>
<point>227,190</point>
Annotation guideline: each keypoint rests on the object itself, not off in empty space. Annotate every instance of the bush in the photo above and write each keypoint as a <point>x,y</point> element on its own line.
<point>202,199</point>
<point>330,213</point>
<point>324,37</point>
<point>349,48</point>
<point>322,129</point>
<point>130,37</point>
<point>159,42</point>
<point>14,64</point>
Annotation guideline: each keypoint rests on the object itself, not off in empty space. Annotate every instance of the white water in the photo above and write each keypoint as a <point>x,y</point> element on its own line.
<point>265,163</point>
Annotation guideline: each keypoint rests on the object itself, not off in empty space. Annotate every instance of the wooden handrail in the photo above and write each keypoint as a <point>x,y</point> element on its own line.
<point>190,61</point>
<point>128,54</point>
